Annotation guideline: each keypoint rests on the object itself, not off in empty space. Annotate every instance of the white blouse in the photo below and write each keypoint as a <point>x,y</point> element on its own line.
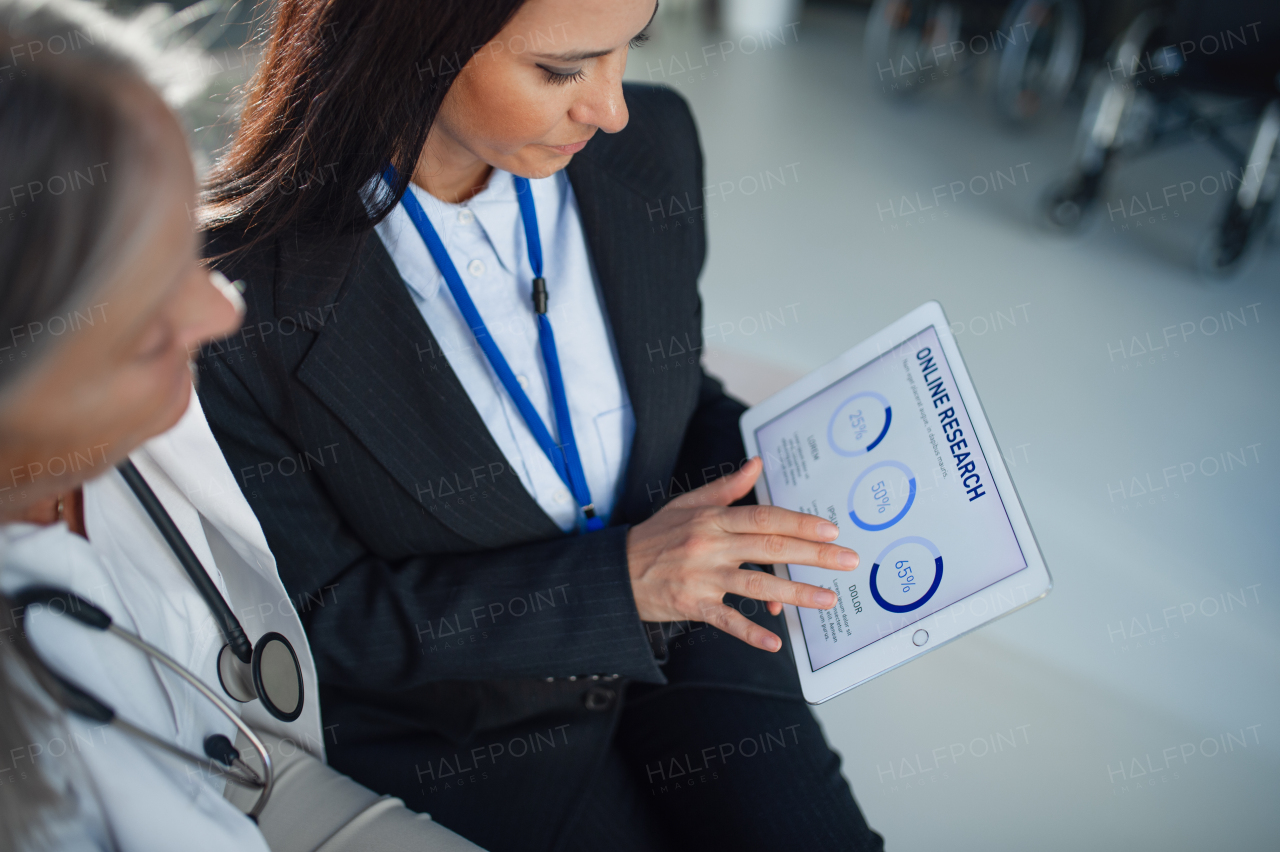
<point>485,239</point>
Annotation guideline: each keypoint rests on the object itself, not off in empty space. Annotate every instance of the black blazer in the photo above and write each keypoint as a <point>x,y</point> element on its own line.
<point>424,572</point>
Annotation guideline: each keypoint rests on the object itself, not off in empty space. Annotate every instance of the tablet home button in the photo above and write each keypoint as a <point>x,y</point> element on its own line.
<point>920,637</point>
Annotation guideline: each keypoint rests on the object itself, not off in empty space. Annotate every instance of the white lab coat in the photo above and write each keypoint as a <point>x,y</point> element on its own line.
<point>123,793</point>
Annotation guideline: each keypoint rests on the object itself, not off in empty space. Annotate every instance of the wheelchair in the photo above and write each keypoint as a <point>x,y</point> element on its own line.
<point>1190,70</point>
<point>912,46</point>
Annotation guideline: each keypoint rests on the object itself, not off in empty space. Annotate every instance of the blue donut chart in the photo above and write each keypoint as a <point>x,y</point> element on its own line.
<point>888,418</point>
<point>933,587</point>
<point>911,495</point>
<point>884,430</point>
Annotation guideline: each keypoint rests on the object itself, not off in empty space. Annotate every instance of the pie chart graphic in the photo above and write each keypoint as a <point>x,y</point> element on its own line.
<point>859,424</point>
<point>882,495</point>
<point>905,566</point>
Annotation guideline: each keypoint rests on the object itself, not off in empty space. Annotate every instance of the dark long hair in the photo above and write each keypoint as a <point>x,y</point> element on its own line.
<point>344,88</point>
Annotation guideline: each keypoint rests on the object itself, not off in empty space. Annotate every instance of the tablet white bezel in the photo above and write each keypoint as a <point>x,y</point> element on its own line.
<point>967,614</point>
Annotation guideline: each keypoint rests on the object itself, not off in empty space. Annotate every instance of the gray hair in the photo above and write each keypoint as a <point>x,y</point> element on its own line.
<point>70,169</point>
<point>70,163</point>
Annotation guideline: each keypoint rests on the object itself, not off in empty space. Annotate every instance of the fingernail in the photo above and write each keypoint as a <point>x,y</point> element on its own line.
<point>826,529</point>
<point>848,559</point>
<point>825,599</point>
<point>773,643</point>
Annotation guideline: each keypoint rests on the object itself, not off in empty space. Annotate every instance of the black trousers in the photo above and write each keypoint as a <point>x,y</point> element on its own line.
<point>684,767</point>
<point>709,769</point>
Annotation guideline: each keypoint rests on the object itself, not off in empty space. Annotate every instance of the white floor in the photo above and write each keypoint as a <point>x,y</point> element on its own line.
<point>1095,696</point>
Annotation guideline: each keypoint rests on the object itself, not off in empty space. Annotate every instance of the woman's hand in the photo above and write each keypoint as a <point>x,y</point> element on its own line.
<point>686,557</point>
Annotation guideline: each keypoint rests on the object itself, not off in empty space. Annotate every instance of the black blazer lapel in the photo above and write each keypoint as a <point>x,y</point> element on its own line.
<point>656,321</point>
<point>379,370</point>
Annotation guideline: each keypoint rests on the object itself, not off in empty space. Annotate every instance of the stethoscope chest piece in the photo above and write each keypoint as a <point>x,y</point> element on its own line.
<point>235,677</point>
<point>274,675</point>
<point>277,676</point>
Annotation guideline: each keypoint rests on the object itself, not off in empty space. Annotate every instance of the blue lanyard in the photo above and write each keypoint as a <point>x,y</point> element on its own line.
<point>563,456</point>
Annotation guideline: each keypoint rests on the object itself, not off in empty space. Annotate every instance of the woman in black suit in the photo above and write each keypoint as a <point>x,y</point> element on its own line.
<point>610,682</point>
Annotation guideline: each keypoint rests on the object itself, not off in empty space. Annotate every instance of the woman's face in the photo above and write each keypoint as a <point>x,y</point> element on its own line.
<point>107,387</point>
<point>530,99</point>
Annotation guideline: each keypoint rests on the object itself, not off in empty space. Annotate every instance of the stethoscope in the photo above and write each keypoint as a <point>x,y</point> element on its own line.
<point>268,671</point>
<point>80,701</point>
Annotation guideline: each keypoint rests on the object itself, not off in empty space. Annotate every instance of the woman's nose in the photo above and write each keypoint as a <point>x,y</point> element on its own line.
<point>210,307</point>
<point>602,104</point>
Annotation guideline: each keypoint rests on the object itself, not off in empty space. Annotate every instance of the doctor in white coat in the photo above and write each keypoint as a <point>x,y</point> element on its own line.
<point>102,301</point>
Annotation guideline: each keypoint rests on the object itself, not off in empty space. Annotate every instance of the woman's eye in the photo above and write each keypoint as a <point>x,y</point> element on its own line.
<point>640,40</point>
<point>560,78</point>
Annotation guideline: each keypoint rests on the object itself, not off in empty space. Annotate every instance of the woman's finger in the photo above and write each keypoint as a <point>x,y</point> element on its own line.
<point>781,549</point>
<point>734,623</point>
<point>724,490</point>
<point>765,520</point>
<point>763,586</point>
<point>775,607</point>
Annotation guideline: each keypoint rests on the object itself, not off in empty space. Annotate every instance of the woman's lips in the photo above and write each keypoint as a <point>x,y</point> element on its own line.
<point>568,150</point>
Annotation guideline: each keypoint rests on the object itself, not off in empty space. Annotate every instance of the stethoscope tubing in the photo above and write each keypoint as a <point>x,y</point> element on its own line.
<point>231,629</point>
<point>267,779</point>
<point>94,708</point>
<point>238,642</point>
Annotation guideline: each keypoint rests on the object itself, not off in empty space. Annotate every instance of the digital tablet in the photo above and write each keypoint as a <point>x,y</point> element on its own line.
<point>890,444</point>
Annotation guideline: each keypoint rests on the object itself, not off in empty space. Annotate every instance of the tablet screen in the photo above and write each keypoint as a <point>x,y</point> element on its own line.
<point>888,455</point>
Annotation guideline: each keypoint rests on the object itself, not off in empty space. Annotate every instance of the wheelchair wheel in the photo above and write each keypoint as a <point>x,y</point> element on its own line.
<point>1067,205</point>
<point>1225,250</point>
<point>1244,225</point>
<point>907,44</point>
<point>1114,118</point>
<point>1038,65</point>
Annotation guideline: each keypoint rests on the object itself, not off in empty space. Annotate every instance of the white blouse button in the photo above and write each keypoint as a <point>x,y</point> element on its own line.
<point>562,496</point>
<point>523,380</point>
<point>466,217</point>
<point>476,267</point>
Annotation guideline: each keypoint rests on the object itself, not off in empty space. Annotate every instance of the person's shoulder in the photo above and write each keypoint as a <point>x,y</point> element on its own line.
<point>294,270</point>
<point>660,121</point>
<point>52,555</point>
<point>238,253</point>
<point>658,151</point>
<point>659,106</point>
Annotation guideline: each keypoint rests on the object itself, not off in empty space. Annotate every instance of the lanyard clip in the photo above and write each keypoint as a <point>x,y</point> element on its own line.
<point>540,295</point>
